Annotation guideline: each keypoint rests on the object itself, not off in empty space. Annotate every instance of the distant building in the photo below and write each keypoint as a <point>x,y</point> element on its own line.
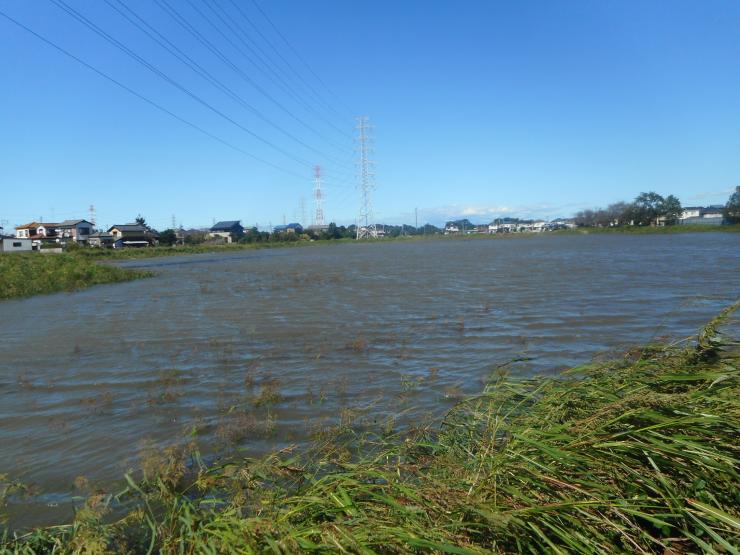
<point>288,228</point>
<point>710,215</point>
<point>451,228</point>
<point>691,212</point>
<point>101,239</point>
<point>38,232</point>
<point>15,244</point>
<point>132,236</point>
<point>75,230</point>
<point>229,231</point>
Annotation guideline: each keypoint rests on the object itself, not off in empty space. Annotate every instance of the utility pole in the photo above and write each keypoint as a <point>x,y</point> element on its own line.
<point>303,211</point>
<point>365,224</point>
<point>318,198</point>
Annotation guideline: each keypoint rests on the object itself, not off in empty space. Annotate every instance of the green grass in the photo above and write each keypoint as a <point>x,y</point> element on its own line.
<point>638,455</point>
<point>26,274</point>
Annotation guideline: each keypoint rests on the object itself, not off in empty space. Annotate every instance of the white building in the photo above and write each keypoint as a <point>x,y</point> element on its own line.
<point>15,244</point>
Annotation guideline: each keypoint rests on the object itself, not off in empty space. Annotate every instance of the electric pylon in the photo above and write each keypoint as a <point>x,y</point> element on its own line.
<point>365,221</point>
<point>318,198</point>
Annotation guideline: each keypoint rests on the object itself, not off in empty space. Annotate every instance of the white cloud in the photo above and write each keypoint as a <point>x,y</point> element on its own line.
<point>712,195</point>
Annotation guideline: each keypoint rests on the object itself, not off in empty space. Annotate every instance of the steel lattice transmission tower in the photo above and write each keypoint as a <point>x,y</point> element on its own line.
<point>318,198</point>
<point>365,220</point>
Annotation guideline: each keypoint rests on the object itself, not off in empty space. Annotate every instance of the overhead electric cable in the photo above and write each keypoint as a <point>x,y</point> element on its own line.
<point>303,61</point>
<point>165,43</point>
<point>285,60</point>
<point>148,100</point>
<point>112,40</point>
<point>174,14</point>
<point>261,55</point>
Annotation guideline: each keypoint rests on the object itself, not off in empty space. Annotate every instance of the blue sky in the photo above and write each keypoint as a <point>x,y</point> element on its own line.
<point>481,108</point>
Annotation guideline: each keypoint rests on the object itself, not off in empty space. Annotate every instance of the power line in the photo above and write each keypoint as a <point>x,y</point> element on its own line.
<point>170,47</point>
<point>285,61</point>
<point>118,44</point>
<point>182,21</point>
<point>297,55</point>
<point>146,99</point>
<point>262,56</point>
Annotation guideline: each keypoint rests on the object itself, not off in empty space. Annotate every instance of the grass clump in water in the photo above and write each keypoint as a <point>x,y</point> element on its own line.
<point>26,274</point>
<point>638,455</point>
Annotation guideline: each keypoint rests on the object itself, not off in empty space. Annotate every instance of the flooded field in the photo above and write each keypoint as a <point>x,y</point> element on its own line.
<point>262,349</point>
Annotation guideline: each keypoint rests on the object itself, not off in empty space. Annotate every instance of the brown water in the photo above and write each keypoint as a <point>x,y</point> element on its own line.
<point>259,349</point>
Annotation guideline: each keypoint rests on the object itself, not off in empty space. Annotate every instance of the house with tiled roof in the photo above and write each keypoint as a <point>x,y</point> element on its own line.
<point>228,231</point>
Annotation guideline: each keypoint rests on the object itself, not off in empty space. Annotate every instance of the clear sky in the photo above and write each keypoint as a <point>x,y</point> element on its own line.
<point>481,108</point>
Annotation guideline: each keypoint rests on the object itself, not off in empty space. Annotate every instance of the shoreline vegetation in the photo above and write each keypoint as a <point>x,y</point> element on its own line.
<point>635,455</point>
<point>28,274</point>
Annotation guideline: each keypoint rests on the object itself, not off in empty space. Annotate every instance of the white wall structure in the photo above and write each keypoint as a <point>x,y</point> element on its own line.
<point>15,244</point>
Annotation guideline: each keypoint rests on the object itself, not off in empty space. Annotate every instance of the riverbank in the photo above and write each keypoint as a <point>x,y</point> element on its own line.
<point>27,274</point>
<point>236,247</point>
<point>651,230</point>
<point>634,455</point>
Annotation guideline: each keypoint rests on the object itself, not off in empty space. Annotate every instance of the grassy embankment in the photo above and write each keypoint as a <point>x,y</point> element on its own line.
<point>639,455</point>
<point>26,274</point>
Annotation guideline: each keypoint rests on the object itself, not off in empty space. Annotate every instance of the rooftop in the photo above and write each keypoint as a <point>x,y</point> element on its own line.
<point>71,223</point>
<point>135,228</point>
<point>33,225</point>
<point>226,225</point>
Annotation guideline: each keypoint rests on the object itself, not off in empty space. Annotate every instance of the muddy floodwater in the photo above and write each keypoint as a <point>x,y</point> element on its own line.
<point>250,351</point>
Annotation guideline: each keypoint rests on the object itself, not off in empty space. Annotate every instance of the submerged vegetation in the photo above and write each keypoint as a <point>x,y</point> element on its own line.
<point>636,455</point>
<point>26,274</point>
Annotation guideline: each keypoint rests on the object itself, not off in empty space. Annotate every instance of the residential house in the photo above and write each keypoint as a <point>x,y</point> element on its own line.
<point>101,239</point>
<point>711,215</point>
<point>228,231</point>
<point>9,243</point>
<point>288,228</point>
<point>690,212</point>
<point>561,223</point>
<point>132,235</point>
<point>74,230</point>
<point>451,228</point>
<point>38,232</point>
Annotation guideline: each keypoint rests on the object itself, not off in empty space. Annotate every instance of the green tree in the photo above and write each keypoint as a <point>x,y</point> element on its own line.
<point>333,232</point>
<point>168,237</point>
<point>647,207</point>
<point>732,208</point>
<point>671,209</point>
